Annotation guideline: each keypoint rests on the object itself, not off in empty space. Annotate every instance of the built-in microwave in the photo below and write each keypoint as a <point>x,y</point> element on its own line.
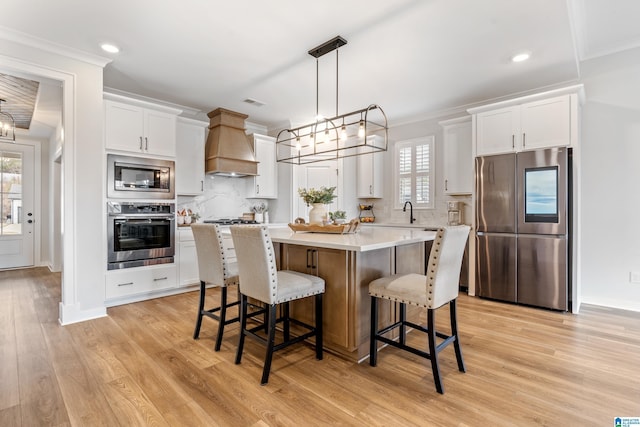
<point>131,177</point>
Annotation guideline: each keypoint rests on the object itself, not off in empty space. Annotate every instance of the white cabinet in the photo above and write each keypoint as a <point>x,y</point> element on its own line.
<point>458,156</point>
<point>139,129</point>
<point>369,175</point>
<point>187,258</point>
<point>139,280</point>
<point>540,123</point>
<point>190,141</point>
<point>265,184</point>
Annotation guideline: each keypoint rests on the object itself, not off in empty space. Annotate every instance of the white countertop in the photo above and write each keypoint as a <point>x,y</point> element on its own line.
<point>366,239</point>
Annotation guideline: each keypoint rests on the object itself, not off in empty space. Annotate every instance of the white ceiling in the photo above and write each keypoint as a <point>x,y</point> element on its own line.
<point>415,58</point>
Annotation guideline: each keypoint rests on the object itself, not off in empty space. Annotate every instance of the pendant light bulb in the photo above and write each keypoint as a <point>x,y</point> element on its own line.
<point>298,146</point>
<point>343,133</point>
<point>361,129</point>
<point>326,136</point>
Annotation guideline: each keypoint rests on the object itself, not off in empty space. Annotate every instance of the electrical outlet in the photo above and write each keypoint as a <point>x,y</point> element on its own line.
<point>634,277</point>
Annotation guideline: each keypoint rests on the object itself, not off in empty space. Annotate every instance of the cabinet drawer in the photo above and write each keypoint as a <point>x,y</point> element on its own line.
<point>139,280</point>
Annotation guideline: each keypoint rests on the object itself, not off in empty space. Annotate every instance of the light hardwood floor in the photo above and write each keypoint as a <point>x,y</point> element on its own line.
<point>140,366</point>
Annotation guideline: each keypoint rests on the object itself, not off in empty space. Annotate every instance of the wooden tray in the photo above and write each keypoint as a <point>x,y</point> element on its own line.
<point>351,227</point>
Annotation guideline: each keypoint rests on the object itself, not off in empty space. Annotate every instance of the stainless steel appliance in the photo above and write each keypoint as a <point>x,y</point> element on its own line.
<point>523,212</point>
<point>454,212</point>
<point>140,234</point>
<point>139,178</point>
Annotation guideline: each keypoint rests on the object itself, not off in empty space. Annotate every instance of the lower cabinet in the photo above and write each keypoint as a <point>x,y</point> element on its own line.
<point>187,258</point>
<point>140,280</point>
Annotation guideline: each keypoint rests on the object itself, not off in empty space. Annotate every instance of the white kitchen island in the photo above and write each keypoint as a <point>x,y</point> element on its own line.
<point>347,263</point>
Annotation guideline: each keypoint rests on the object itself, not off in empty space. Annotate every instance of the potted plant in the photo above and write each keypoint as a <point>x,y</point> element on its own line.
<point>338,217</point>
<point>317,198</point>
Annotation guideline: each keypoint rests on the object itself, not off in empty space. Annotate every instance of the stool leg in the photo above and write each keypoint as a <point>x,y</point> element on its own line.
<point>286,324</point>
<point>433,353</point>
<point>454,331</point>
<point>319,342</point>
<point>373,345</point>
<point>403,326</point>
<point>243,327</point>
<point>196,332</point>
<point>223,317</point>
<point>271,308</point>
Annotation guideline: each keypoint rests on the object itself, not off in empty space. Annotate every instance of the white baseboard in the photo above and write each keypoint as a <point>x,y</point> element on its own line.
<point>69,314</point>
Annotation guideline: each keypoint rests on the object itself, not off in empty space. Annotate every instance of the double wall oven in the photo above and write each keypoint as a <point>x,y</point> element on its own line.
<point>140,218</point>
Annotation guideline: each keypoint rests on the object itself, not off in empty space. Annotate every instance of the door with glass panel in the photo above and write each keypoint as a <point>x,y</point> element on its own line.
<point>16,205</point>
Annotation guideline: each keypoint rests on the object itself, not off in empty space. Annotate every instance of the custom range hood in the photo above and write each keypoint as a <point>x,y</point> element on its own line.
<point>228,151</point>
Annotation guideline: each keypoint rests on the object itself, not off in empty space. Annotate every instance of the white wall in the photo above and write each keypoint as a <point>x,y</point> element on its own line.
<point>82,167</point>
<point>611,181</point>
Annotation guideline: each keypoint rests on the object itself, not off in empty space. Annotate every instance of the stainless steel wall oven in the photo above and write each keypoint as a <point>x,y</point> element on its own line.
<point>140,234</point>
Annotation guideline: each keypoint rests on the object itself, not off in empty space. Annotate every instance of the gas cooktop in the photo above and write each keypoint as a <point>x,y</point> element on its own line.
<point>230,221</point>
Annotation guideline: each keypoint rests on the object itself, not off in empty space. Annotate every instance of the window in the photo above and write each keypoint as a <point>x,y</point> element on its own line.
<point>414,172</point>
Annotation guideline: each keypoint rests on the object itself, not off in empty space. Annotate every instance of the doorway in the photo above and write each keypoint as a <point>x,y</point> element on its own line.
<point>17,219</point>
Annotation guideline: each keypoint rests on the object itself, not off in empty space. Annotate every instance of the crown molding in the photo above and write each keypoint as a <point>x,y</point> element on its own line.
<point>47,46</point>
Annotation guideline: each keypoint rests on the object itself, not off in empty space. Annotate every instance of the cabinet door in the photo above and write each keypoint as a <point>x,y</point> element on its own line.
<point>188,264</point>
<point>498,131</point>
<point>190,140</point>
<point>315,175</point>
<point>546,123</point>
<point>123,125</point>
<point>369,176</point>
<point>458,159</point>
<point>160,133</point>
<point>265,184</point>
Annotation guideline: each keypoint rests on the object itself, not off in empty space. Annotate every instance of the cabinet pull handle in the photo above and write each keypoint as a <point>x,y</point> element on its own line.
<point>146,143</point>
<point>125,284</point>
<point>513,141</point>
<point>446,185</point>
<point>308,259</point>
<point>257,188</point>
<point>160,278</point>
<point>315,259</point>
<point>370,189</point>
<point>201,185</point>
<point>140,143</point>
<point>523,140</point>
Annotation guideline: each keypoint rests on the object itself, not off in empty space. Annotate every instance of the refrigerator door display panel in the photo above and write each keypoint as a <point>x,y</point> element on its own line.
<point>496,189</point>
<point>542,271</point>
<point>496,266</point>
<point>542,192</point>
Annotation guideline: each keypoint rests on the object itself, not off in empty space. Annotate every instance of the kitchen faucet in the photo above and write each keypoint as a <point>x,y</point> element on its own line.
<point>404,209</point>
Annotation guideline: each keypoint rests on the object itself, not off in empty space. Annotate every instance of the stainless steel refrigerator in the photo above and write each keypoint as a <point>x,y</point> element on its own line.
<point>523,218</point>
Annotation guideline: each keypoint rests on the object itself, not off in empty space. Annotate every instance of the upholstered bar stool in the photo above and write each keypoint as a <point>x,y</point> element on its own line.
<point>214,269</point>
<point>435,289</point>
<point>260,280</point>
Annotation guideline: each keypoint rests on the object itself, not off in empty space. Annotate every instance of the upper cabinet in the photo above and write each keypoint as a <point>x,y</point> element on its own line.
<point>458,156</point>
<point>538,121</point>
<point>190,141</point>
<point>265,184</point>
<point>369,175</point>
<point>139,127</point>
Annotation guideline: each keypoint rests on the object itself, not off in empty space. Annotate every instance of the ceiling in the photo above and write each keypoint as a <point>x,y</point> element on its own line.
<point>415,58</point>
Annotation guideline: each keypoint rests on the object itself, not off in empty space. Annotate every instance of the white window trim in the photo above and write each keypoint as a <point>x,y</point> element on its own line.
<point>429,140</point>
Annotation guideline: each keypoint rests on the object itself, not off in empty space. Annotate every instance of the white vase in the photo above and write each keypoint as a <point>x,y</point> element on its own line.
<point>317,214</point>
<point>259,217</point>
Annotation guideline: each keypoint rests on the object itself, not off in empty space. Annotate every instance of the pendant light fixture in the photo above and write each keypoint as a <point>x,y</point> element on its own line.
<point>7,125</point>
<point>356,133</point>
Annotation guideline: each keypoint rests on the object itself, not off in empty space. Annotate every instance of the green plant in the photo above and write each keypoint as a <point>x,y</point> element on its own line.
<point>324,195</point>
<point>337,215</point>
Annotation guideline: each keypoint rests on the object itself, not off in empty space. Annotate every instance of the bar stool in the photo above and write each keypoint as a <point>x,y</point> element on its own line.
<point>260,280</point>
<point>431,291</point>
<point>214,269</point>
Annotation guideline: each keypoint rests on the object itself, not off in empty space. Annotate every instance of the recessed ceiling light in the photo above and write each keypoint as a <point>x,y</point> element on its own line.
<point>523,56</point>
<point>107,47</point>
